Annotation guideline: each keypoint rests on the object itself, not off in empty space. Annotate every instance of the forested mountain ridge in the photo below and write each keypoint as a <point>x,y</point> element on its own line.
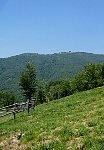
<point>49,67</point>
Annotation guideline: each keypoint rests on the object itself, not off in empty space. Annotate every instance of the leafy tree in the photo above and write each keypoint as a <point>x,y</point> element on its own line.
<point>7,99</point>
<point>102,71</point>
<point>91,77</point>
<point>40,93</point>
<point>66,88</point>
<point>59,89</point>
<point>54,92</point>
<point>80,83</point>
<point>28,81</point>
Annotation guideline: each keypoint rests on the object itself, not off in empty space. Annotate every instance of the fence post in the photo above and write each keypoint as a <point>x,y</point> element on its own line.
<point>33,103</point>
<point>14,114</point>
<point>28,106</point>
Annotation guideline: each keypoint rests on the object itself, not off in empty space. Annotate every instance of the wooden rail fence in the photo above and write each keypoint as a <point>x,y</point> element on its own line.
<point>16,108</point>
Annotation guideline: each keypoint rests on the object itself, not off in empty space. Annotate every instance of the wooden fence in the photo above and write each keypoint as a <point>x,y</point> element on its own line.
<point>16,108</point>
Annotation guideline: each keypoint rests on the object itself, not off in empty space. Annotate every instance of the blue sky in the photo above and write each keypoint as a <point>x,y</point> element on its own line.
<point>51,26</point>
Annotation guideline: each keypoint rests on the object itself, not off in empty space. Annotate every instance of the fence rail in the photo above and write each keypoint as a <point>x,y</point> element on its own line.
<point>16,108</point>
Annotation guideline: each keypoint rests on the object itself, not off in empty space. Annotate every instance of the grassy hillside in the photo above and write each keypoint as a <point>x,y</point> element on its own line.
<point>49,67</point>
<point>71,123</point>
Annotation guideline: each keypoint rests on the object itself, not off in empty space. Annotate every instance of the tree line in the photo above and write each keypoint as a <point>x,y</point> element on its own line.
<point>91,77</point>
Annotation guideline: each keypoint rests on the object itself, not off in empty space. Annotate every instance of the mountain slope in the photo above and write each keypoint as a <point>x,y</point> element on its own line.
<point>49,67</point>
<point>74,122</point>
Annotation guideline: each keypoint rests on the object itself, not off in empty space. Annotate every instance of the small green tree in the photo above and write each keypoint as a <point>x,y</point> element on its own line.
<point>28,81</point>
<point>40,94</point>
<point>7,99</point>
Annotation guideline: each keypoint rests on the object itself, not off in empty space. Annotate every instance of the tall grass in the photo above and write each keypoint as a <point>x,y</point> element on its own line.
<point>74,122</point>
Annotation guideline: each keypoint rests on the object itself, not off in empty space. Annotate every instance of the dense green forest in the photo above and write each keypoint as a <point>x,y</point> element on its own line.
<point>91,77</point>
<point>50,67</point>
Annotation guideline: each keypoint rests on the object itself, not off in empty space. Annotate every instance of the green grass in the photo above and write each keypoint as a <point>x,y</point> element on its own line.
<point>71,123</point>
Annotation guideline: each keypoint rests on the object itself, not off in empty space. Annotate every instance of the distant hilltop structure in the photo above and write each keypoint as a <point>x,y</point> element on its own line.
<point>65,52</point>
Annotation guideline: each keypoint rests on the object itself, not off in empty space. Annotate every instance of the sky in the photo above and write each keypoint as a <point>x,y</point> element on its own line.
<point>51,26</point>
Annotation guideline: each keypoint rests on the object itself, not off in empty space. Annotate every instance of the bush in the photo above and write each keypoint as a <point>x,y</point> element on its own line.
<point>7,99</point>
